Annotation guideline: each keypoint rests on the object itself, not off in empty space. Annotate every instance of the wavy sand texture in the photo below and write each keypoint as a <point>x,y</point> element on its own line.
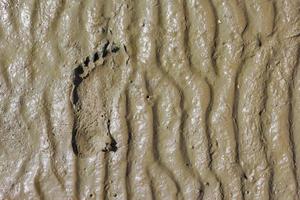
<point>150,99</point>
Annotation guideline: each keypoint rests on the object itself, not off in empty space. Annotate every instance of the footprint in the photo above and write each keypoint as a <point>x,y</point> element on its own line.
<point>94,84</point>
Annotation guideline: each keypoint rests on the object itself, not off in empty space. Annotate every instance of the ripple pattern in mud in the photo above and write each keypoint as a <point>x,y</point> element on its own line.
<point>150,99</point>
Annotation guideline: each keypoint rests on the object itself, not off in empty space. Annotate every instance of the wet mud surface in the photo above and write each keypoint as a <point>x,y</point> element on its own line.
<point>150,99</point>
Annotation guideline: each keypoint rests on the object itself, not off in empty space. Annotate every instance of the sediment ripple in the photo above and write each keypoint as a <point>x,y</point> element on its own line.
<point>149,99</point>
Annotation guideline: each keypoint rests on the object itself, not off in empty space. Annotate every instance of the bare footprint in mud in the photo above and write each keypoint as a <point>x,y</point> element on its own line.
<point>95,81</point>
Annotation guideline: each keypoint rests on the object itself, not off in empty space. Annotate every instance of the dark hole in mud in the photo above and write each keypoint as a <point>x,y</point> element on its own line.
<point>259,42</point>
<point>105,50</point>
<point>95,57</point>
<point>113,145</point>
<point>115,49</point>
<point>110,146</point>
<point>78,70</point>
<point>86,61</point>
<point>76,81</point>
<point>201,194</point>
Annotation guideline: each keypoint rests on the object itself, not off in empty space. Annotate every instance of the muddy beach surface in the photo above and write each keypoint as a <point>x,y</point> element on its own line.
<point>150,99</point>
